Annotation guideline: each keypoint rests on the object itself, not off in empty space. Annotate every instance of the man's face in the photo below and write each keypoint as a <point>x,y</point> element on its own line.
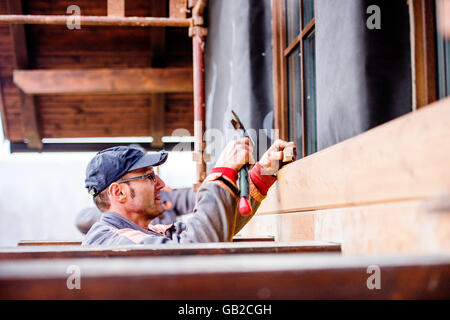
<point>143,195</point>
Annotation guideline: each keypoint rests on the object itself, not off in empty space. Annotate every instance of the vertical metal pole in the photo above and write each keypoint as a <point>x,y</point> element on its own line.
<point>198,33</point>
<point>198,46</point>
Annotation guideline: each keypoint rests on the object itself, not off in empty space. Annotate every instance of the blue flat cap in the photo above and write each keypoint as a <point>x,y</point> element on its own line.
<point>110,164</point>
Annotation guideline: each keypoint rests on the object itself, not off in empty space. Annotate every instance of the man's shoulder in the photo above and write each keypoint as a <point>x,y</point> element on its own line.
<point>96,234</point>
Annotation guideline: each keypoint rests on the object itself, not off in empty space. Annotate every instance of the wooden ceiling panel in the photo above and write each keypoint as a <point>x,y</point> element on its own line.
<point>3,8</point>
<point>93,116</point>
<point>179,104</point>
<point>59,7</point>
<point>106,115</point>
<point>6,52</point>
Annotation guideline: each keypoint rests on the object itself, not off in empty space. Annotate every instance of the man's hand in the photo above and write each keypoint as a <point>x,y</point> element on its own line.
<point>272,159</point>
<point>236,154</point>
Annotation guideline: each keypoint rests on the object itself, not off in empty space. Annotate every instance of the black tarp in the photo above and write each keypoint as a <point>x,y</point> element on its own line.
<point>238,69</point>
<point>363,76</point>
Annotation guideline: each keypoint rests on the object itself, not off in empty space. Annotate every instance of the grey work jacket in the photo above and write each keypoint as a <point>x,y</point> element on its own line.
<point>215,219</point>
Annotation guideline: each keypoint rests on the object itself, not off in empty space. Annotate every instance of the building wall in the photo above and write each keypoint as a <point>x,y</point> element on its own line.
<point>363,75</point>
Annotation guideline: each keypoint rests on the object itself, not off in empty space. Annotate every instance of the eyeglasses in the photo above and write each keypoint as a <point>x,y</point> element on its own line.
<point>150,176</point>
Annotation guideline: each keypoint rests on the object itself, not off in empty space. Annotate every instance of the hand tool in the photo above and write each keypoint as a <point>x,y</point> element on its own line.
<point>244,204</point>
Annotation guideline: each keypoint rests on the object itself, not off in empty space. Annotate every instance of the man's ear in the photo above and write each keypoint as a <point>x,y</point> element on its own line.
<point>116,192</point>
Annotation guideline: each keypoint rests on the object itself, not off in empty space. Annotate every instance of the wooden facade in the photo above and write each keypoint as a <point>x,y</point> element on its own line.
<point>399,204</point>
<point>384,191</point>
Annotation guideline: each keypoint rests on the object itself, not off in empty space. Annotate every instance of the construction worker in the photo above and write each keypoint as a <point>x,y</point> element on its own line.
<point>127,190</point>
<point>175,204</point>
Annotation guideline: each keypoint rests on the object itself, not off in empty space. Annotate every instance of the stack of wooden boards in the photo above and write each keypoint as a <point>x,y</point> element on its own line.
<point>243,270</point>
<point>385,191</point>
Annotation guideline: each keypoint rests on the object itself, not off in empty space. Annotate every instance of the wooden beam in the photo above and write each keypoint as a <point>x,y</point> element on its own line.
<point>33,243</point>
<point>178,8</point>
<point>89,147</point>
<point>3,110</point>
<point>404,159</point>
<point>116,8</point>
<point>423,44</point>
<point>96,21</point>
<point>157,118</point>
<point>18,36</point>
<point>158,100</point>
<point>388,228</point>
<point>104,81</point>
<point>63,251</point>
<point>29,121</point>
<point>279,70</point>
<point>30,125</point>
<point>253,239</point>
<point>238,277</point>
<point>77,243</point>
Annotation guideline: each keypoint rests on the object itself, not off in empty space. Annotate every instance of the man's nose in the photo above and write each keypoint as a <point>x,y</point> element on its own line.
<point>159,183</point>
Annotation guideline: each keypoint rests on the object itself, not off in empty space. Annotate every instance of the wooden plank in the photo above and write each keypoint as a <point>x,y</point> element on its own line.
<point>5,126</point>
<point>116,8</point>
<point>30,125</point>
<point>158,101</point>
<point>104,81</point>
<point>389,228</point>
<point>279,70</point>
<point>27,243</point>
<point>18,36</point>
<point>424,57</point>
<point>89,147</point>
<point>157,119</point>
<point>75,251</point>
<point>410,227</point>
<point>254,239</point>
<point>71,243</point>
<point>404,159</point>
<point>268,276</point>
<point>95,21</point>
<point>178,8</point>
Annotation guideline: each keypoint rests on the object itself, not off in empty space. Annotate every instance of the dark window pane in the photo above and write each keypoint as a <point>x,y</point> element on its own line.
<point>443,65</point>
<point>295,98</point>
<point>308,11</point>
<point>447,67</point>
<point>310,95</point>
<point>292,20</point>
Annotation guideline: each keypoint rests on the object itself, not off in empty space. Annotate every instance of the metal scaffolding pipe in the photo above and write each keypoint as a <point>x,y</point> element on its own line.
<point>198,44</point>
<point>96,20</point>
<point>198,34</point>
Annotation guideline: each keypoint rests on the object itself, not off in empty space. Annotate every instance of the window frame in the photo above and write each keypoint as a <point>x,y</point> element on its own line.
<point>281,51</point>
<point>423,53</point>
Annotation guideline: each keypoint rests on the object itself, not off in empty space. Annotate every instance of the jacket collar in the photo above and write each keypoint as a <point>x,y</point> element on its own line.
<point>119,222</point>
